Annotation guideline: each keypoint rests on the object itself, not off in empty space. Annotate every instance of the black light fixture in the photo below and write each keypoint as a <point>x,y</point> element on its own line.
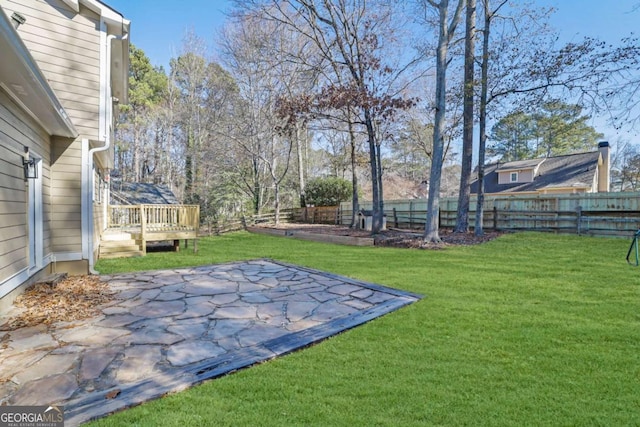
<point>29,165</point>
<point>17,19</point>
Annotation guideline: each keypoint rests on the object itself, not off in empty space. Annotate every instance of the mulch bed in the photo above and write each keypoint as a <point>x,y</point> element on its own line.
<point>398,238</point>
<point>75,298</point>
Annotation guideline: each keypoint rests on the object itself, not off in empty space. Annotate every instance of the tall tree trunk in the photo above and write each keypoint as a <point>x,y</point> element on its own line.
<point>462,218</point>
<point>483,118</point>
<point>299,144</point>
<point>431,233</point>
<point>355,203</point>
<point>376,219</point>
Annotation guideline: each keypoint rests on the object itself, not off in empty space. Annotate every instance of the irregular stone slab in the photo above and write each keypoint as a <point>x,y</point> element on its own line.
<point>255,298</point>
<point>246,287</point>
<point>94,362</point>
<point>169,296</point>
<point>94,336</point>
<point>11,364</point>
<point>146,336</point>
<point>118,320</point>
<point>28,332</point>
<point>357,304</point>
<point>159,309</point>
<point>271,310</point>
<point>331,310</point>
<point>222,299</point>
<point>193,351</point>
<point>194,289</point>
<point>139,363</point>
<point>157,323</point>
<point>190,331</point>
<point>362,293</point>
<point>259,333</point>
<point>269,282</point>
<point>118,309</point>
<point>344,289</point>
<point>226,328</point>
<point>127,294</point>
<point>198,310</point>
<point>34,342</point>
<point>235,312</point>
<point>150,294</point>
<point>49,365</point>
<point>300,310</point>
<point>323,296</point>
<point>301,325</point>
<point>46,391</point>
<point>379,297</point>
<point>198,300</point>
<point>149,352</point>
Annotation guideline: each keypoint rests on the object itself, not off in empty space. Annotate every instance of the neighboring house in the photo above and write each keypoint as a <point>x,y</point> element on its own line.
<point>63,68</point>
<point>140,193</point>
<point>573,173</point>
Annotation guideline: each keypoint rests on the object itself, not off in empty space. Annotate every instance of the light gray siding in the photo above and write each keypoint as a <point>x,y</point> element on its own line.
<point>66,46</point>
<point>18,130</point>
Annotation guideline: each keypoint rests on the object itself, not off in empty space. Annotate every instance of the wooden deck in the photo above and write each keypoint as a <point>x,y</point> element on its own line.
<point>154,223</point>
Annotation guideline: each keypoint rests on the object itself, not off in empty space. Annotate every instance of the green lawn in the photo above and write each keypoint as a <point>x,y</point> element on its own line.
<point>529,329</point>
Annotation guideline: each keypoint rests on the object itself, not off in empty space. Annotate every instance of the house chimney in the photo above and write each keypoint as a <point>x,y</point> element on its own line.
<point>604,167</point>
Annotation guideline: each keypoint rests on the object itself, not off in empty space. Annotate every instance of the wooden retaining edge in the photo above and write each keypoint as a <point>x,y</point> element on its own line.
<point>315,237</point>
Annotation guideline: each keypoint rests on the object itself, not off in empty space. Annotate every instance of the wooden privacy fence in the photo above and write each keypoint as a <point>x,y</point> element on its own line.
<point>317,215</point>
<point>604,214</point>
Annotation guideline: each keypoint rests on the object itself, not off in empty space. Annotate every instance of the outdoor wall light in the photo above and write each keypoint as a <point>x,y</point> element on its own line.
<point>17,19</point>
<point>29,165</point>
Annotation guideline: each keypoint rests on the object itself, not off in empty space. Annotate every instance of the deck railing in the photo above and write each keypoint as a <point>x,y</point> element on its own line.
<point>154,217</point>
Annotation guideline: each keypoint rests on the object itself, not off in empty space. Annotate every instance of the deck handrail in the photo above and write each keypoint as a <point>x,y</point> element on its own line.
<point>154,217</point>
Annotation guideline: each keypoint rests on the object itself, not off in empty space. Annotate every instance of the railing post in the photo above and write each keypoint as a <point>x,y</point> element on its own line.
<point>143,229</point>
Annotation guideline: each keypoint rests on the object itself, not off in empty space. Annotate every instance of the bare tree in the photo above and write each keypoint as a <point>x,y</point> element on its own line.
<point>462,219</point>
<point>349,38</point>
<point>446,31</point>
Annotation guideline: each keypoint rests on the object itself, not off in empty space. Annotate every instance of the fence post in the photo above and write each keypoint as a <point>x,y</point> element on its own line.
<point>495,218</point>
<point>395,218</point>
<point>579,220</point>
<point>411,215</point>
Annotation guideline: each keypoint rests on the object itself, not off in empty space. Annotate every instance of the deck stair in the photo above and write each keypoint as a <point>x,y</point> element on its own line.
<point>119,244</point>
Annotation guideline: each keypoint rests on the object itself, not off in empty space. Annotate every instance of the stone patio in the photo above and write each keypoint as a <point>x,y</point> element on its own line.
<point>171,329</point>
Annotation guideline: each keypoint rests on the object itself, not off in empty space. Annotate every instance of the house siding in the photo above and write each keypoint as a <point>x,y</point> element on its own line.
<point>66,201</point>
<point>18,130</point>
<point>66,46</point>
<point>523,176</point>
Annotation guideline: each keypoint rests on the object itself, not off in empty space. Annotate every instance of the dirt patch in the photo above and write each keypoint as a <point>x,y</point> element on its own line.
<point>396,237</point>
<point>75,298</point>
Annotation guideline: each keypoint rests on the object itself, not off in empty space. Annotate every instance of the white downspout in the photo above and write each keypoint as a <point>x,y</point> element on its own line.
<point>107,144</point>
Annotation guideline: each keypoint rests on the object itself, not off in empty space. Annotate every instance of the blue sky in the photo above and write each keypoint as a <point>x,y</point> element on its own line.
<point>158,26</point>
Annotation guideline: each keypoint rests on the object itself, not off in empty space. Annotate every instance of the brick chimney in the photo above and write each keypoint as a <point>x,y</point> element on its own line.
<point>604,166</point>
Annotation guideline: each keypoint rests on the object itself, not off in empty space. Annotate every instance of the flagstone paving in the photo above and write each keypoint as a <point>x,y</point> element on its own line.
<point>168,330</point>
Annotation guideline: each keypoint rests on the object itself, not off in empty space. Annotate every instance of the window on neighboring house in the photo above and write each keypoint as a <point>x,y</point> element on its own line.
<point>514,176</point>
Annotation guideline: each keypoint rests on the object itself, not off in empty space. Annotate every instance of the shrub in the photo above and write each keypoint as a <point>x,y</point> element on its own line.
<point>327,191</point>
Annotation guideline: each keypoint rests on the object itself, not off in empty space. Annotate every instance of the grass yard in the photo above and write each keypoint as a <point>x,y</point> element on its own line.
<point>529,329</point>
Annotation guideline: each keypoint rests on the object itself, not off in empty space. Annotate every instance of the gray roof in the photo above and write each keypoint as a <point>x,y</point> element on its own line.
<point>520,164</point>
<point>573,170</point>
<point>139,193</point>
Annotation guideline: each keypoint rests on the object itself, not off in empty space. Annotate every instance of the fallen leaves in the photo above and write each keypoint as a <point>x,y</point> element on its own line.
<point>75,298</point>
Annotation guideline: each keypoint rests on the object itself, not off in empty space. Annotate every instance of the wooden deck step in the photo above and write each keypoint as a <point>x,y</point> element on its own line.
<point>119,245</point>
